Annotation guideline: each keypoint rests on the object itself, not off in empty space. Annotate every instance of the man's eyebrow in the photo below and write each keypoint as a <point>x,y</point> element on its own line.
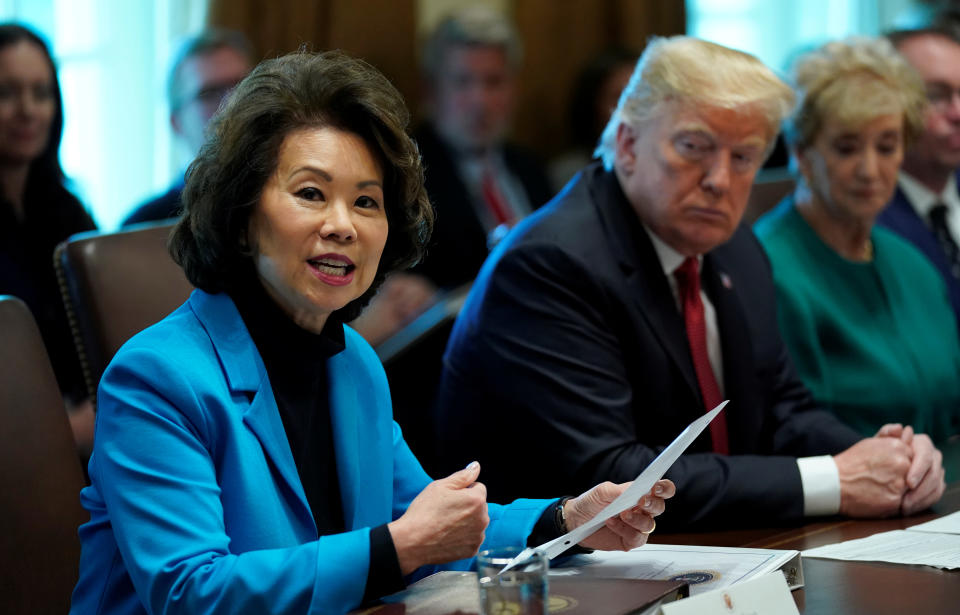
<point>693,127</point>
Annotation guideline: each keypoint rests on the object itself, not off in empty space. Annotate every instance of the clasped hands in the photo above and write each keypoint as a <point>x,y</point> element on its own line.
<point>894,472</point>
<point>447,521</point>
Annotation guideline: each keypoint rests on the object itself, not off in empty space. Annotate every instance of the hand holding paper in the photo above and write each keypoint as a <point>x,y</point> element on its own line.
<point>629,498</point>
<point>627,530</point>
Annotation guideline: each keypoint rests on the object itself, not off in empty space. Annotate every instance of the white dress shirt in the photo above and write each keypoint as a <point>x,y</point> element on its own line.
<point>819,476</point>
<point>923,199</point>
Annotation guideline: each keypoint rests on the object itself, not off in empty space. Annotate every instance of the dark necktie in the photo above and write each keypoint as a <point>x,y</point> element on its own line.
<point>938,222</point>
<point>499,209</point>
<point>688,281</point>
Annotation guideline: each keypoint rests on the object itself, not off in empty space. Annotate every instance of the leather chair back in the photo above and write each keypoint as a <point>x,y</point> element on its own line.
<point>115,285</point>
<point>770,186</point>
<point>40,474</point>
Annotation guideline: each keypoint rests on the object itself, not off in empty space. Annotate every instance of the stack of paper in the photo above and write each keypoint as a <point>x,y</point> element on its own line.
<point>936,543</point>
<point>704,568</point>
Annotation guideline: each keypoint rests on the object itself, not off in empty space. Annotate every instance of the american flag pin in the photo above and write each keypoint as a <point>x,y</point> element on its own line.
<point>726,281</point>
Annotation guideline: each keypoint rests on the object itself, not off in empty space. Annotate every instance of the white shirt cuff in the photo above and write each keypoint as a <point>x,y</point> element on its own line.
<point>821,485</point>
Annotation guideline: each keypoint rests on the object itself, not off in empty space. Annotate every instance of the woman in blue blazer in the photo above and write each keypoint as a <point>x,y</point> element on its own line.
<point>245,458</point>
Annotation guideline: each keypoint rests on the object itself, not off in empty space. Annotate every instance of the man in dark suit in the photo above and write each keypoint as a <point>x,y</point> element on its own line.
<point>479,183</point>
<point>206,67</point>
<point>591,338</point>
<point>925,209</point>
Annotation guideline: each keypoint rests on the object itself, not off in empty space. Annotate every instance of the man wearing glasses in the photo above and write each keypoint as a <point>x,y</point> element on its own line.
<point>204,71</point>
<point>925,209</point>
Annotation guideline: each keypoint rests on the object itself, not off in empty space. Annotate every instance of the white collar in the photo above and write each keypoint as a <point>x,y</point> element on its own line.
<point>923,199</point>
<point>670,259</point>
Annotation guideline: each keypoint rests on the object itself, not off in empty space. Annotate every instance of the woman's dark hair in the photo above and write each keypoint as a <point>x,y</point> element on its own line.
<point>298,90</point>
<point>45,171</point>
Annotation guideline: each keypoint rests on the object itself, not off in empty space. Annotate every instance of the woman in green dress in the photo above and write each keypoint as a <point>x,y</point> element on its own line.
<point>865,316</point>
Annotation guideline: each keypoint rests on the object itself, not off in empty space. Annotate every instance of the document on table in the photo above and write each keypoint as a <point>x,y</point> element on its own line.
<point>947,524</point>
<point>704,568</point>
<point>641,485</point>
<point>920,547</point>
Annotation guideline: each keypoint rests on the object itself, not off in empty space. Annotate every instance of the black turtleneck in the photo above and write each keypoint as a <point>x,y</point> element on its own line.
<point>296,364</point>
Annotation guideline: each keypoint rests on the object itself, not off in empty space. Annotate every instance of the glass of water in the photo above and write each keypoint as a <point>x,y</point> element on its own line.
<point>522,590</point>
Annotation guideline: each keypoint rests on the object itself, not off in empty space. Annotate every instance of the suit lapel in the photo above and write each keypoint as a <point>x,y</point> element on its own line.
<point>246,374</point>
<point>642,269</point>
<point>262,417</point>
<point>344,418</point>
<point>737,352</point>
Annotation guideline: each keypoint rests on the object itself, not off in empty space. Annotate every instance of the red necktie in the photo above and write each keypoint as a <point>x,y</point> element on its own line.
<point>688,280</point>
<point>495,202</point>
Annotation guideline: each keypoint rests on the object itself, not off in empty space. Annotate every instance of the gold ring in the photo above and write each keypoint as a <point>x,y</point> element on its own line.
<point>650,531</point>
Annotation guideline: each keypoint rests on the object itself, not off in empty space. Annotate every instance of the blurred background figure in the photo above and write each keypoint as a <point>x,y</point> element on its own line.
<point>864,314</point>
<point>593,98</point>
<point>204,70</point>
<point>478,181</point>
<point>925,209</point>
<point>37,211</point>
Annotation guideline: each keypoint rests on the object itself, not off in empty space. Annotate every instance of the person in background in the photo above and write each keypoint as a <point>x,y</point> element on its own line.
<point>632,303</point>
<point>865,316</point>
<point>206,67</point>
<point>246,460</point>
<point>37,211</point>
<point>925,208</point>
<point>479,183</point>
<point>592,100</point>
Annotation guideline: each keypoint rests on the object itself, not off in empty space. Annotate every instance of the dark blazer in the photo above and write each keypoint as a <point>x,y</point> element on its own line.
<point>569,365</point>
<point>162,207</point>
<point>901,218</point>
<point>458,246</point>
<point>51,215</point>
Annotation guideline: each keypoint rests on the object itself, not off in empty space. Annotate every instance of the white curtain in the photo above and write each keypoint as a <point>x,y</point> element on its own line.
<point>777,31</point>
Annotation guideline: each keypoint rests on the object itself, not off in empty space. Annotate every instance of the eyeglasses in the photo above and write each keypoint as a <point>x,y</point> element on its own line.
<point>940,95</point>
<point>209,96</point>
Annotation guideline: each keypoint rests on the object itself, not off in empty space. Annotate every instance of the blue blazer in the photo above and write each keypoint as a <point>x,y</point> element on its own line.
<point>900,217</point>
<point>195,501</point>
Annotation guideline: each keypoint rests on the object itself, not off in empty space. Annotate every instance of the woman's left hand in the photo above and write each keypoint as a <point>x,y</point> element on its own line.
<point>622,532</point>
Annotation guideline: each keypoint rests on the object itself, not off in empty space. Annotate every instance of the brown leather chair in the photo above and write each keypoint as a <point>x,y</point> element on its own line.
<point>40,475</point>
<point>769,187</point>
<point>115,285</point>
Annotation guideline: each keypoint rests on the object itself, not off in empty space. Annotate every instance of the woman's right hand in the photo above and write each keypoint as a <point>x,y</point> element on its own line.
<point>444,523</point>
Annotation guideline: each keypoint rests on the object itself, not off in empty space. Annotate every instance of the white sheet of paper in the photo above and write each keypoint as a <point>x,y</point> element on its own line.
<point>948,524</point>
<point>897,547</point>
<point>641,485</point>
<point>763,595</point>
<point>704,568</point>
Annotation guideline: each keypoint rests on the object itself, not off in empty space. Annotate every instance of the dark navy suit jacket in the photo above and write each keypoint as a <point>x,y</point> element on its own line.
<point>901,218</point>
<point>569,365</point>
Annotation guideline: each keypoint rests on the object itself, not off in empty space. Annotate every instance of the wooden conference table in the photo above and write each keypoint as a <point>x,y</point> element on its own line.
<point>834,587</point>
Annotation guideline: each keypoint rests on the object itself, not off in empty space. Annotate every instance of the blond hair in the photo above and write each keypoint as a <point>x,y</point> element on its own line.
<point>686,70</point>
<point>854,80</point>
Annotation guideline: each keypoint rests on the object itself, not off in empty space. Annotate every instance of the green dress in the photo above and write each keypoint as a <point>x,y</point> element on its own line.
<point>876,342</point>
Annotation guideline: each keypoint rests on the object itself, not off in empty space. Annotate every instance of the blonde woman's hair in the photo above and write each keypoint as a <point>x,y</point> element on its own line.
<point>854,80</point>
<point>690,71</point>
